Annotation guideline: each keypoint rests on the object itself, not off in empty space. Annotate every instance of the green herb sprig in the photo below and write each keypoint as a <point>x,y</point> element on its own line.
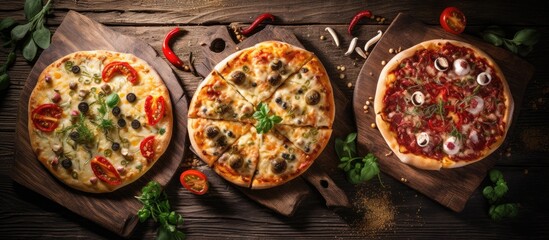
<point>265,121</point>
<point>156,206</point>
<point>522,43</point>
<point>358,169</point>
<point>495,193</point>
<point>30,36</point>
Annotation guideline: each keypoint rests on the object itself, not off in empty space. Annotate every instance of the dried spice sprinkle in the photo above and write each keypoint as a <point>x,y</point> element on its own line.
<point>377,210</point>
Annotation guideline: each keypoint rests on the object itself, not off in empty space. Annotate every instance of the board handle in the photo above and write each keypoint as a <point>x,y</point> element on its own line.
<point>335,197</point>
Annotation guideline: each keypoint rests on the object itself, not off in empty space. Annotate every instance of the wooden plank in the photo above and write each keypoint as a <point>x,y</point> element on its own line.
<point>101,208</point>
<point>128,12</point>
<point>450,187</point>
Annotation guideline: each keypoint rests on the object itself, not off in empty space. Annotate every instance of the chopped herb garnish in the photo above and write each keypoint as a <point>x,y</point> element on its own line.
<point>265,121</point>
<point>161,131</point>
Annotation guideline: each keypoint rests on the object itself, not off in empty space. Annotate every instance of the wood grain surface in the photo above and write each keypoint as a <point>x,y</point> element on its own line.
<point>450,187</point>
<point>104,209</point>
<point>283,199</point>
<point>225,212</point>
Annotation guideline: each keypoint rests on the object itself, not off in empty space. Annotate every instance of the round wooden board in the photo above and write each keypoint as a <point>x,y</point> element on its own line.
<point>117,210</point>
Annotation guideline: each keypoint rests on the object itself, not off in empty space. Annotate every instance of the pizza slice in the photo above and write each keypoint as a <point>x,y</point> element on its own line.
<point>279,161</point>
<point>258,71</point>
<point>311,140</point>
<point>238,163</point>
<point>306,98</point>
<point>210,138</point>
<point>216,99</point>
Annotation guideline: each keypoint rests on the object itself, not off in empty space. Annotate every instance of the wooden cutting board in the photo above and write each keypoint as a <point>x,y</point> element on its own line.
<point>114,211</point>
<point>450,187</point>
<point>285,199</point>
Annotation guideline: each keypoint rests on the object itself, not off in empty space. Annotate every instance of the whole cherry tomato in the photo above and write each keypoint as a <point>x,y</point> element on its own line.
<point>453,20</point>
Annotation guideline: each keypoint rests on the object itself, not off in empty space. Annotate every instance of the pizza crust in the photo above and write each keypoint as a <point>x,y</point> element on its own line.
<point>422,161</point>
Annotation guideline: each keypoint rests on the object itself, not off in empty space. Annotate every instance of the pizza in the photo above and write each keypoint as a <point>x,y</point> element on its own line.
<point>442,104</point>
<point>99,120</point>
<point>294,86</point>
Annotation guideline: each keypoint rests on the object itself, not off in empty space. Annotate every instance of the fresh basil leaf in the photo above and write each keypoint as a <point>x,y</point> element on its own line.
<point>495,175</point>
<point>276,119</point>
<point>496,30</point>
<point>524,50</point>
<point>492,38</point>
<point>510,45</point>
<point>29,50</point>
<point>42,37</point>
<point>32,7</point>
<point>6,23</point>
<point>527,37</point>
<point>351,137</point>
<point>19,32</point>
<point>4,81</point>
<point>11,58</point>
<point>339,147</point>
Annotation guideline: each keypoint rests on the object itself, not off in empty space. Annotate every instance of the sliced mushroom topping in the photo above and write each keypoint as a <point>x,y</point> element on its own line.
<point>476,105</point>
<point>451,146</point>
<point>441,64</point>
<point>235,161</point>
<point>484,78</point>
<point>422,139</point>
<point>212,131</point>
<point>278,165</point>
<point>274,79</point>
<point>461,67</point>
<point>238,77</point>
<point>276,64</point>
<point>312,97</point>
<point>418,98</point>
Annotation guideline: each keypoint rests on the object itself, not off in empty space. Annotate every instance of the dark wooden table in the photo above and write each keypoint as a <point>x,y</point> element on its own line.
<point>25,214</point>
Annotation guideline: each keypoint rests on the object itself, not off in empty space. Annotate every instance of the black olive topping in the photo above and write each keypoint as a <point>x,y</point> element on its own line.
<point>83,107</point>
<point>66,163</point>
<point>278,166</point>
<point>136,124</point>
<point>116,111</point>
<point>312,97</point>
<point>238,77</point>
<point>74,135</point>
<point>121,122</point>
<point>300,91</point>
<point>276,64</point>
<point>230,134</point>
<point>212,131</point>
<point>115,146</point>
<point>274,79</point>
<point>75,69</point>
<point>304,70</point>
<point>221,141</point>
<point>131,97</point>
<point>278,100</point>
<point>254,84</point>
<point>284,105</point>
<point>288,156</point>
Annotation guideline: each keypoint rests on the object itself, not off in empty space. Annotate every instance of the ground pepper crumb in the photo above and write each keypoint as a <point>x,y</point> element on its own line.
<point>377,209</point>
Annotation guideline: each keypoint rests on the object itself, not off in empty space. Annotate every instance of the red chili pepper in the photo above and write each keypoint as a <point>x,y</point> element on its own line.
<point>257,21</point>
<point>356,18</point>
<point>169,54</point>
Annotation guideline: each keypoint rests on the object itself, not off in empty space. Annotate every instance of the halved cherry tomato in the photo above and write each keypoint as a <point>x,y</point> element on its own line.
<point>46,117</point>
<point>105,171</point>
<point>194,181</point>
<point>453,20</point>
<point>154,108</point>
<point>119,67</point>
<point>147,148</point>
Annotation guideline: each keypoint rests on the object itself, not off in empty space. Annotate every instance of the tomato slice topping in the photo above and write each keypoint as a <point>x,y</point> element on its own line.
<point>123,68</point>
<point>453,20</point>
<point>154,108</point>
<point>46,117</point>
<point>105,171</point>
<point>147,148</point>
<point>194,181</point>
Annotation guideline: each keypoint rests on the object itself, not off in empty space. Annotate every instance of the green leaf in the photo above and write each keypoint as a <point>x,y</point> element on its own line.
<point>6,23</point>
<point>510,45</point>
<point>493,39</point>
<point>495,175</point>
<point>276,119</point>
<point>112,100</point>
<point>19,32</point>
<point>351,138</point>
<point>527,37</point>
<point>4,81</point>
<point>29,50</point>
<point>500,190</point>
<point>339,147</point>
<point>42,37</point>
<point>32,7</point>
<point>495,30</point>
<point>524,50</point>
